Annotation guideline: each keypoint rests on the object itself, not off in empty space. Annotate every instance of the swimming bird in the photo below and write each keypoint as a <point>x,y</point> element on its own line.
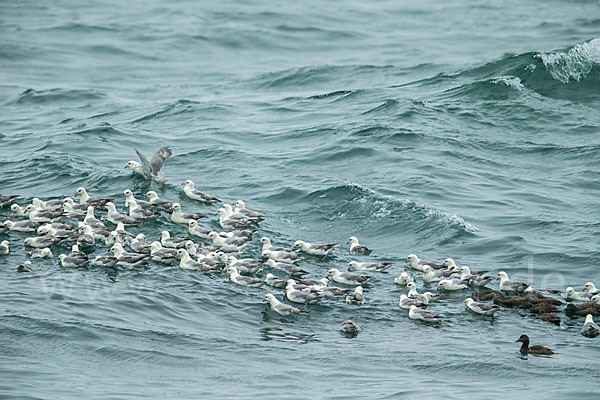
<point>405,302</point>
<point>91,220</point>
<point>508,285</point>
<point>247,233</point>
<point>40,253</point>
<point>149,170</point>
<point>7,199</point>
<point>582,310</point>
<point>231,214</point>
<point>348,278</point>
<point>105,261</point>
<point>416,313</point>
<point>18,211</point>
<point>452,284</point>
<point>70,212</point>
<point>315,283</point>
<point>290,269</point>
<point>4,248</point>
<point>481,308</point>
<point>300,296</point>
<point>414,294</point>
<point>243,265</point>
<point>22,226</point>
<point>86,199</point>
<point>550,317</point>
<point>141,213</point>
<point>156,201</point>
<point>86,238</point>
<point>180,217</point>
<point>174,242</point>
<point>195,194</point>
<point>473,279</point>
<point>282,256</point>
<point>356,297</point>
<point>590,329</point>
<point>535,350</point>
<point>371,266</point>
<point>228,223</point>
<point>186,262</point>
<point>591,288</point>
<point>275,282</point>
<point>72,261</point>
<point>161,254</point>
<point>129,198</point>
<point>196,230</point>
<point>356,248</point>
<point>416,263</point>
<point>40,241</point>
<point>403,278</point>
<point>431,275</point>
<point>267,245</point>
<point>578,296</point>
<point>242,280</point>
<point>279,307</point>
<point>37,214</point>
<point>227,244</point>
<point>512,301</point>
<point>315,249</point>
<point>25,267</point>
<point>350,327</point>
<point>139,244</point>
<point>240,208</point>
<point>115,217</point>
<point>127,259</point>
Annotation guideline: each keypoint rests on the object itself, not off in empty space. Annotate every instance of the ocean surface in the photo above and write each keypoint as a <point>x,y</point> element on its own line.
<point>467,129</point>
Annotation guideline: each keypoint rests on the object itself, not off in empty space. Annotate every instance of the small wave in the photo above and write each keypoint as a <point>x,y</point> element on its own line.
<point>33,96</point>
<point>574,64</point>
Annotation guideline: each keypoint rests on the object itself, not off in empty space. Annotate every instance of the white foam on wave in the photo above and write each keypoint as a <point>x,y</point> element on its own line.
<point>510,81</point>
<point>574,64</point>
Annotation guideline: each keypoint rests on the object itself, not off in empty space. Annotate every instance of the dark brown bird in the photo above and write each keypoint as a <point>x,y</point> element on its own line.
<point>582,310</point>
<point>513,301</point>
<point>543,308</point>
<point>535,350</point>
<point>484,295</point>
<point>550,317</point>
<point>536,298</point>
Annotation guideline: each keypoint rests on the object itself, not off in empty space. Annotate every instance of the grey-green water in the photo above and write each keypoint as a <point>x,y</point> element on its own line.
<point>466,129</point>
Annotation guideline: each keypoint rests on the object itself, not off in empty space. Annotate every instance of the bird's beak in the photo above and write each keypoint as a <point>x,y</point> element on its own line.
<point>405,261</point>
<point>497,278</point>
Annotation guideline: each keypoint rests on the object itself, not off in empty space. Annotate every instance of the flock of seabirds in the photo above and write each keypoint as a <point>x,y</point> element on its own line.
<point>63,222</point>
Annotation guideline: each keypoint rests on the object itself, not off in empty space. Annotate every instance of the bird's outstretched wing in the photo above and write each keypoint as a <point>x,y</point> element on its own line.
<point>158,159</point>
<point>146,169</point>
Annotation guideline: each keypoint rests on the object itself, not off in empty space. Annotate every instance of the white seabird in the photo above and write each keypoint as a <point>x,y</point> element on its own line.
<point>115,217</point>
<point>431,275</point>
<point>149,170</point>
<point>127,259</point>
<point>41,253</point>
<point>403,278</point>
<point>422,315</point>
<point>300,296</point>
<point>139,244</point>
<point>72,262</point>
<point>156,201</point>
<point>174,242</point>
<point>350,327</point>
<point>25,267</point>
<point>279,307</point>
<point>578,296</point>
<point>91,220</point>
<point>242,280</point>
<point>4,247</point>
<point>290,269</point>
<point>416,263</point>
<point>356,297</point>
<point>227,244</point>
<point>196,230</point>
<point>591,288</point>
<point>194,194</point>
<point>508,285</point>
<point>474,279</point>
<point>371,266</point>
<point>22,226</point>
<point>244,265</point>
<point>590,329</point>
<point>240,208</point>
<point>18,211</point>
<point>452,284</point>
<point>481,308</point>
<point>129,197</point>
<point>356,248</point>
<point>348,278</point>
<point>140,213</point>
<point>180,217</point>
<point>282,255</point>
<point>162,255</point>
<point>85,198</point>
<point>405,302</point>
<point>275,282</point>
<point>105,261</point>
<point>40,241</point>
<point>316,249</point>
<point>267,245</point>
<point>186,262</point>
